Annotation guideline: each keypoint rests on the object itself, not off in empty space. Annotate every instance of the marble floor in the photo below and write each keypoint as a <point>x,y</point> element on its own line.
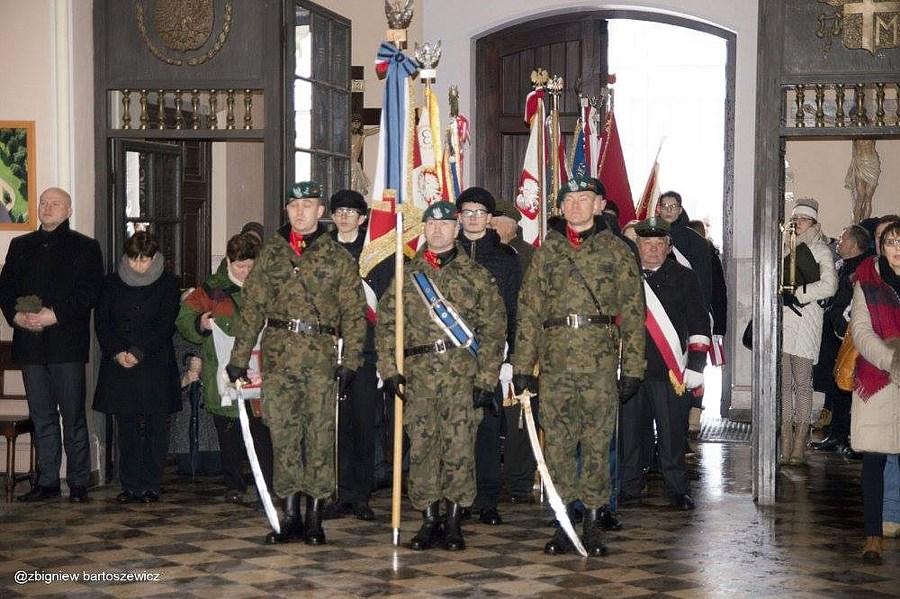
<point>192,544</point>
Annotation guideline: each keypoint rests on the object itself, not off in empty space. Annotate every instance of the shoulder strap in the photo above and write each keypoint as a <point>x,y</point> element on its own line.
<point>585,283</point>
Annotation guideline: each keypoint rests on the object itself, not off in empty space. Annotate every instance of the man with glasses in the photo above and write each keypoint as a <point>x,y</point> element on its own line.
<point>476,207</point>
<point>580,318</point>
<point>358,411</point>
<point>688,246</point>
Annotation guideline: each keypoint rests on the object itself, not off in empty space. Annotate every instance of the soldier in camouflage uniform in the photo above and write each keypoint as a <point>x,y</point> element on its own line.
<point>305,290</point>
<point>446,383</point>
<point>581,295</point>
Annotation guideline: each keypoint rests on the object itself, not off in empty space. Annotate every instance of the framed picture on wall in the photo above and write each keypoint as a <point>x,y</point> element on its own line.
<point>18,193</point>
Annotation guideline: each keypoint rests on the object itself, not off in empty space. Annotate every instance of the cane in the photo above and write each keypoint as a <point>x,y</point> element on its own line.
<point>337,416</point>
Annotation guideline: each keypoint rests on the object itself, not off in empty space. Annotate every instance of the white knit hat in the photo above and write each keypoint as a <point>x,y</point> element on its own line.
<point>806,207</point>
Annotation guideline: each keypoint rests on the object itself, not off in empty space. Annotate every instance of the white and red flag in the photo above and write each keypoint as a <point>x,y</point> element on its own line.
<point>531,196</point>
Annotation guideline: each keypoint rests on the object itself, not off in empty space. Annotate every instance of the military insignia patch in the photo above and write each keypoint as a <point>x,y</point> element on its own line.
<point>868,24</point>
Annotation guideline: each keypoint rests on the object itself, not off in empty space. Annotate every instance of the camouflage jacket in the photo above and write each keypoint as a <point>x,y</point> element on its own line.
<point>471,290</point>
<point>553,289</point>
<point>320,286</point>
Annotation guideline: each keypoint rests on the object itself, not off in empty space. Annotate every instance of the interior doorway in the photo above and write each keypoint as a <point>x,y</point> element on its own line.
<point>670,103</point>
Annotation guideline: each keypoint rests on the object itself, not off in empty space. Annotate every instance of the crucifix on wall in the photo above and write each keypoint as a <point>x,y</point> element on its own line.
<point>364,123</point>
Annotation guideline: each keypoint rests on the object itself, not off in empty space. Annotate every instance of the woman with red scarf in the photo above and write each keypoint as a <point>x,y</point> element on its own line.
<point>875,423</point>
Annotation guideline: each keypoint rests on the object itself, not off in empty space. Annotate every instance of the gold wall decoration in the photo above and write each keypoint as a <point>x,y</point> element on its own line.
<point>183,26</point>
<point>866,24</point>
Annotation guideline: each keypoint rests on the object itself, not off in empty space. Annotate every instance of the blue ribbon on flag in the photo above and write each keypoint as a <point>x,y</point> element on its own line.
<point>579,164</point>
<point>400,66</point>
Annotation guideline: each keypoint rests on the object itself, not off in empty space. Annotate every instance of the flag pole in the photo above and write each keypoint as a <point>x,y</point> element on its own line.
<point>539,80</point>
<point>398,18</point>
<point>397,471</point>
<point>555,88</point>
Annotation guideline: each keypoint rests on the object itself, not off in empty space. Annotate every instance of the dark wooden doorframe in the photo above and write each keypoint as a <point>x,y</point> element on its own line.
<point>485,165</point>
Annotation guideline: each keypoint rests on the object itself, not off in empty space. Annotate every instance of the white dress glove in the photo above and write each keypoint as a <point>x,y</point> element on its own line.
<point>693,379</point>
<point>506,375</point>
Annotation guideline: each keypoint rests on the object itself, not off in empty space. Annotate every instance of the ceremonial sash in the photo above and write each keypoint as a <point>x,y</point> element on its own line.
<point>664,336</point>
<point>681,258</point>
<point>444,315</point>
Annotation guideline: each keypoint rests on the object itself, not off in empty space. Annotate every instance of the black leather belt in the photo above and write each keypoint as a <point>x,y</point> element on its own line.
<point>575,321</point>
<point>301,328</point>
<point>438,347</point>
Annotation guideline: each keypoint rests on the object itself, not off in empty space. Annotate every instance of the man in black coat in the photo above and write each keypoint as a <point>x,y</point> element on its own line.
<point>674,303</point>
<point>359,410</point>
<point>50,281</point>
<point>691,246</point>
<point>476,206</point>
<point>852,247</point>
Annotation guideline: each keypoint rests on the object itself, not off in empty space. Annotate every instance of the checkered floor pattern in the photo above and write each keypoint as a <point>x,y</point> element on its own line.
<point>196,545</point>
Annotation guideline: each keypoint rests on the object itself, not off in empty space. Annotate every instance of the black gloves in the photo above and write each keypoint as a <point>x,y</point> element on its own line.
<point>628,387</point>
<point>392,386</point>
<point>521,382</point>
<point>489,400</point>
<point>236,372</point>
<point>344,377</point>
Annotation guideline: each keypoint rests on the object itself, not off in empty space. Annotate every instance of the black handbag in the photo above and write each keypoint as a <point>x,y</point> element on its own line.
<point>747,337</point>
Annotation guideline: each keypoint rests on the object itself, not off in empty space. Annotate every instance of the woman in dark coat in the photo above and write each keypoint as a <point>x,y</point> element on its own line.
<point>138,381</point>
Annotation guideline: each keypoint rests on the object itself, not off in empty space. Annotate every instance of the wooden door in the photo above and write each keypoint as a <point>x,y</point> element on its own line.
<point>196,201</point>
<point>165,187</point>
<point>572,46</point>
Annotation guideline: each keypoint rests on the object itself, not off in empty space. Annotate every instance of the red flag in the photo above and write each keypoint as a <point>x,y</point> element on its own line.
<point>612,173</point>
<point>647,206</point>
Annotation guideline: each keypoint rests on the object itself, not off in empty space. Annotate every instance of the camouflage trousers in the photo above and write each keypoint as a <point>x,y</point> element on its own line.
<point>441,432</point>
<point>299,411</point>
<point>579,408</point>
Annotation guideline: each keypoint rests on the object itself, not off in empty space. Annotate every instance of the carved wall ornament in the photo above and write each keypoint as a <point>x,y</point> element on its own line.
<point>183,26</point>
<point>864,24</point>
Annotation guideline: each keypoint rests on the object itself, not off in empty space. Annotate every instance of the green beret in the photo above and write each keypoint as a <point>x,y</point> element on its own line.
<point>652,227</point>
<point>580,184</point>
<point>303,190</point>
<point>441,210</point>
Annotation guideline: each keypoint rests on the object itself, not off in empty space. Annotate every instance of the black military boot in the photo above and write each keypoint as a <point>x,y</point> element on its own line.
<point>313,534</point>
<point>291,528</point>
<point>593,533</point>
<point>559,544</point>
<point>453,537</point>
<point>430,532</point>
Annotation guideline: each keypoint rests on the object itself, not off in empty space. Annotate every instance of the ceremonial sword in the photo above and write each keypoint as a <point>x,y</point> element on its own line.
<point>261,487</point>
<point>556,502</point>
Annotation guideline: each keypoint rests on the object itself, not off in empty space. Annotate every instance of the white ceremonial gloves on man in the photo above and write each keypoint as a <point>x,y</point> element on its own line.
<point>506,376</point>
<point>693,379</point>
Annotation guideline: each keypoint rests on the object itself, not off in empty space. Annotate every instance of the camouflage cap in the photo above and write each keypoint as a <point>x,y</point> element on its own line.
<point>303,190</point>
<point>577,184</point>
<point>441,210</point>
<point>652,227</point>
